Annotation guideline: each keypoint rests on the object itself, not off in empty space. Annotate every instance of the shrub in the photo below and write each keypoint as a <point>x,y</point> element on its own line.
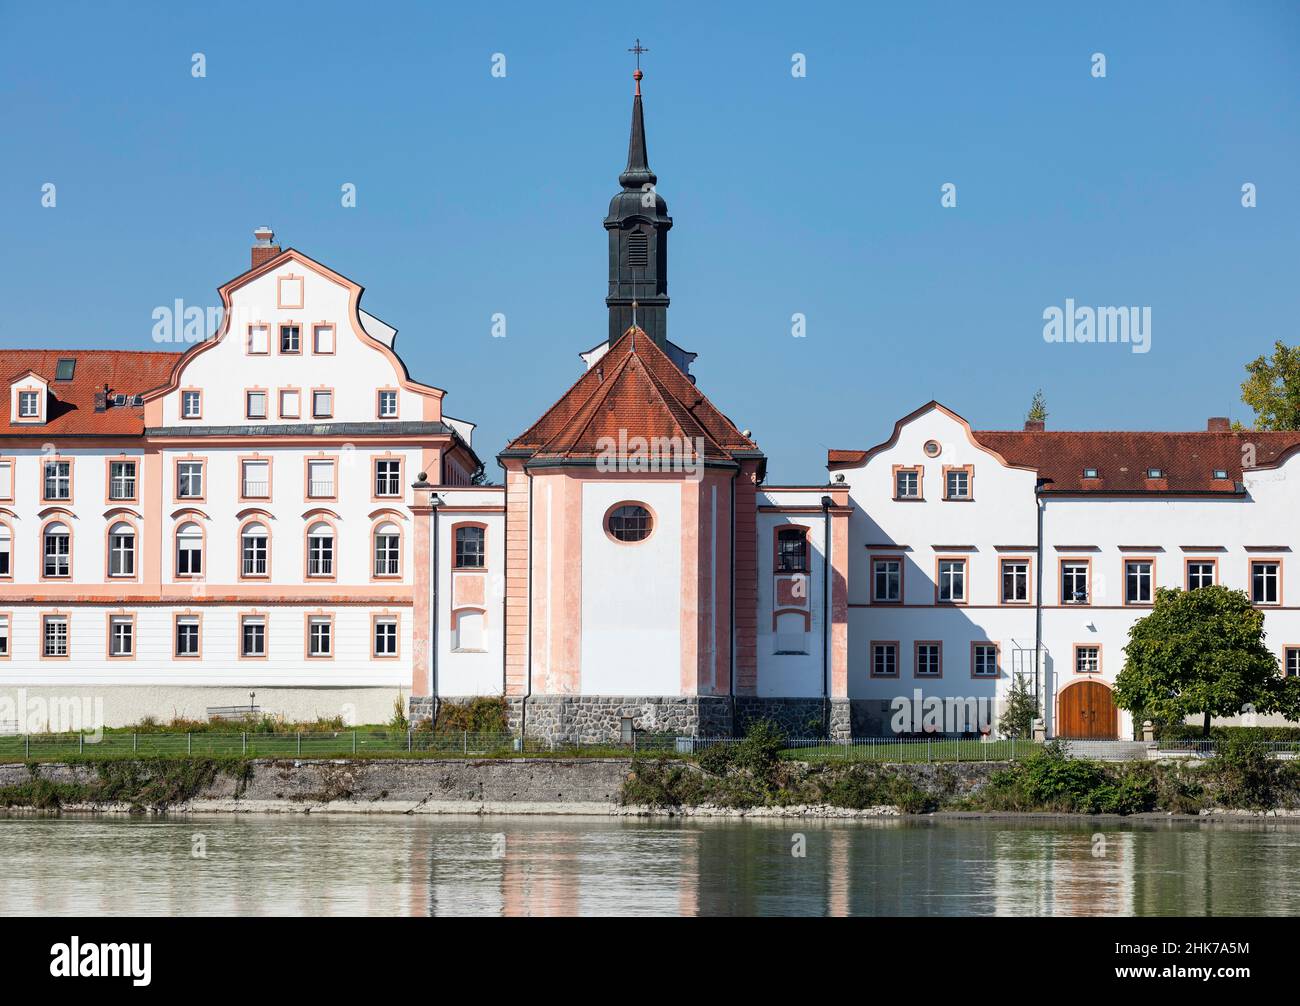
<point>761,748</point>
<point>485,714</point>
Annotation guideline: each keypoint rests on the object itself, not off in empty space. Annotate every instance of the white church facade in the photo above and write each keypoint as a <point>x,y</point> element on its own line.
<point>281,516</point>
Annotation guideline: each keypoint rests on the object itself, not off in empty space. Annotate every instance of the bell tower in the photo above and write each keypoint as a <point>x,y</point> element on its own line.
<point>638,225</point>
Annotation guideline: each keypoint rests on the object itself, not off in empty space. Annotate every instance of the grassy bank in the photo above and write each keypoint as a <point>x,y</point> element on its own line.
<point>753,774</point>
<point>143,784</point>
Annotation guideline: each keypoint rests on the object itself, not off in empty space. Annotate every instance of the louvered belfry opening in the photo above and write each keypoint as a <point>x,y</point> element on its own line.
<point>638,248</point>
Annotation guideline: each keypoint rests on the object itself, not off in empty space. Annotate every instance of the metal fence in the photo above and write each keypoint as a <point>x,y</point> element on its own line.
<point>1207,748</point>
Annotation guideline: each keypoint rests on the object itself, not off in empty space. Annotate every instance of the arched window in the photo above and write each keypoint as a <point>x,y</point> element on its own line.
<point>6,551</point>
<point>254,545</point>
<point>388,550</point>
<point>629,522</point>
<point>121,550</point>
<point>792,550</point>
<point>320,549</point>
<point>469,547</point>
<point>189,550</point>
<point>57,550</point>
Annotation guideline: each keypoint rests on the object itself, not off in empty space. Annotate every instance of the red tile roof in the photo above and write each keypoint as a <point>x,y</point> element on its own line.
<point>71,407</point>
<point>1122,458</point>
<point>634,390</point>
<point>1187,460</point>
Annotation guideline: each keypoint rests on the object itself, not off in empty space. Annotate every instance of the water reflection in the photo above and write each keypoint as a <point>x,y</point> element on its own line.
<point>562,866</point>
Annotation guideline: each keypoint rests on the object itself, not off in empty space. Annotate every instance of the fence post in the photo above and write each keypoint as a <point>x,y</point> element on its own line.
<point>354,742</point>
<point>27,745</point>
<point>135,745</point>
<point>189,743</point>
<point>957,744</point>
<point>1013,749</point>
<point>81,743</point>
<point>464,741</point>
<point>299,736</point>
<point>408,742</point>
<point>244,737</point>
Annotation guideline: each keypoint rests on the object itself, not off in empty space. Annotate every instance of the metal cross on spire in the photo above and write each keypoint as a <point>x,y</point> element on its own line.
<point>638,48</point>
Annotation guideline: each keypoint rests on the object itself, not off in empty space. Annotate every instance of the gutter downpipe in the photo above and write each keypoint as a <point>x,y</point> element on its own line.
<point>435,501</point>
<point>528,649</point>
<point>826,613</point>
<point>731,611</point>
<point>1040,504</point>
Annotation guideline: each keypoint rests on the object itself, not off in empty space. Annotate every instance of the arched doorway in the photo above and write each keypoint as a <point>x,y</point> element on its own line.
<point>1086,711</point>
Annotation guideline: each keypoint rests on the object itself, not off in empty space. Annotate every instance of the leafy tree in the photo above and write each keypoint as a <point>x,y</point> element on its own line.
<point>1017,719</point>
<point>1202,651</point>
<point>1037,408</point>
<point>1273,388</point>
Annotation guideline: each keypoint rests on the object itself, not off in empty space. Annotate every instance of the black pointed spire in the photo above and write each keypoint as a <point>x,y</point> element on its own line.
<point>637,173</point>
<point>638,224</point>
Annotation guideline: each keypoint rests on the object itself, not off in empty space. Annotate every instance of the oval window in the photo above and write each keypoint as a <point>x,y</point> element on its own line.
<point>932,448</point>
<point>629,522</point>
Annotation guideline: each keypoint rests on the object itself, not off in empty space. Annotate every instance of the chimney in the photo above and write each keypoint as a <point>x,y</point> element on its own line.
<point>264,248</point>
<point>1035,425</point>
<point>1218,424</point>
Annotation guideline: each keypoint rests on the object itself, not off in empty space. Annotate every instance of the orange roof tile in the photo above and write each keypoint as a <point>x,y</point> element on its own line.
<point>71,409</point>
<point>633,391</point>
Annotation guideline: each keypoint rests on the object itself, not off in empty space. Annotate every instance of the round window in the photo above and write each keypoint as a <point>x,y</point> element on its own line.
<point>932,448</point>
<point>629,522</point>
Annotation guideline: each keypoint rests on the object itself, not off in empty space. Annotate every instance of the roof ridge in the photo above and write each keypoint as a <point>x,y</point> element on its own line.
<point>591,407</point>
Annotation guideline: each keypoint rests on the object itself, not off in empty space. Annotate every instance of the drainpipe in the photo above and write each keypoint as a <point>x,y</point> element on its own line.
<point>731,611</point>
<point>435,501</point>
<point>528,643</point>
<point>826,615</point>
<point>1040,504</point>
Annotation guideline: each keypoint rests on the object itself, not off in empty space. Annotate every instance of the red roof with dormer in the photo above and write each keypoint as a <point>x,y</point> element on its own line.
<point>70,407</point>
<point>634,390</point>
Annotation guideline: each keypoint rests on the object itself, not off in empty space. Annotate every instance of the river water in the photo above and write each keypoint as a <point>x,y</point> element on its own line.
<point>399,865</point>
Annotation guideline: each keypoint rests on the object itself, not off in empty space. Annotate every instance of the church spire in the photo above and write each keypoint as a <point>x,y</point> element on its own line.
<point>638,225</point>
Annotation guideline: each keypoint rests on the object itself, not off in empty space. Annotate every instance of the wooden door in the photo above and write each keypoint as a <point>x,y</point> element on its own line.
<point>1087,712</point>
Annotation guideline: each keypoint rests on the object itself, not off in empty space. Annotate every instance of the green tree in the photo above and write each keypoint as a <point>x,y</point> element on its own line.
<point>1037,408</point>
<point>1201,651</point>
<point>1017,719</point>
<point>1273,388</point>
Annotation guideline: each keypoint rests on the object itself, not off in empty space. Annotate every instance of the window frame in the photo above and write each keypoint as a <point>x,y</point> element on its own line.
<point>248,404</point>
<point>455,545</point>
<point>939,562</point>
<point>46,617</point>
<point>188,617</point>
<point>379,403</point>
<point>875,560</point>
<point>43,550</point>
<point>919,472</point>
<point>280,330</point>
<point>1139,560</point>
<point>111,620</point>
<point>70,477</point>
<point>969,472</point>
<point>109,480</point>
<point>1212,562</point>
<point>311,619</point>
<point>1086,563</point>
<point>185,393</point>
<point>885,645</point>
<point>916,659</point>
<point>202,497</point>
<point>385,617</point>
<point>782,532</point>
<point>1028,562</point>
<point>313,523</point>
<point>260,520</point>
<point>382,522</point>
<point>1250,579</point>
<point>1079,649</point>
<point>975,646</point>
<point>262,617</point>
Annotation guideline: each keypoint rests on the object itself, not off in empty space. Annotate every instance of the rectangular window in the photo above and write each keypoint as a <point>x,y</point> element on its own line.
<point>1074,583</point>
<point>252,636</point>
<point>388,552</point>
<point>1291,664</point>
<point>907,484</point>
<point>884,660</point>
<point>388,477</point>
<point>1137,581</point>
<point>1087,659</point>
<point>1200,574</point>
<point>388,405</point>
<point>54,633</point>
<point>6,551</point>
<point>929,660</point>
<point>1015,581</point>
<point>290,339</point>
<point>58,480</point>
<point>58,551</point>
<point>187,636</point>
<point>253,550</point>
<point>121,552</point>
<point>121,636</point>
<point>255,479</point>
<point>189,480</point>
<point>792,551</point>
<point>322,339</point>
<point>322,404</point>
<point>385,637</point>
<point>886,581</point>
<point>469,547</point>
<point>952,581</point>
<point>320,551</point>
<point>1265,582</point>
<point>320,637</point>
<point>191,404</point>
<point>984,660</point>
<point>6,480</point>
<point>4,636</point>
<point>259,340</point>
<point>29,405</point>
<point>320,479</point>
<point>189,551</point>
<point>121,480</point>
<point>290,403</point>
<point>957,484</point>
<point>254,404</point>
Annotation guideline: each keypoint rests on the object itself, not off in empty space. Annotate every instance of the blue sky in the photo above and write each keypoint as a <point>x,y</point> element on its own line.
<point>821,195</point>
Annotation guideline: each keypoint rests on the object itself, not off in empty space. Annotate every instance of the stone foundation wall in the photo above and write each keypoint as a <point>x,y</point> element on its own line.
<point>595,718</point>
<point>798,717</point>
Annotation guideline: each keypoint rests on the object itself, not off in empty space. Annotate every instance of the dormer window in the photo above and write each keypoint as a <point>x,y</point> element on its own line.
<point>1155,473</point>
<point>1090,473</point>
<point>29,405</point>
<point>65,369</point>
